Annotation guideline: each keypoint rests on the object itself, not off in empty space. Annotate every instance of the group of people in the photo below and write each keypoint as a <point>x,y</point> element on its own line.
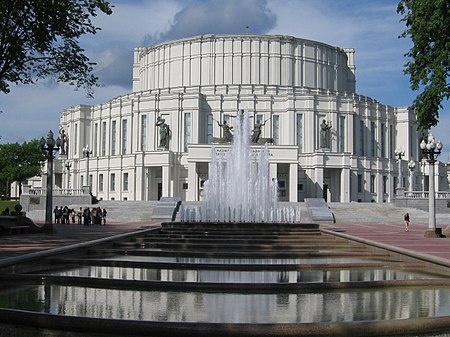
<point>86,216</point>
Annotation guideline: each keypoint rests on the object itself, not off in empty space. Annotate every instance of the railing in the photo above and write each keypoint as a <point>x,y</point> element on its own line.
<point>56,191</point>
<point>425,195</point>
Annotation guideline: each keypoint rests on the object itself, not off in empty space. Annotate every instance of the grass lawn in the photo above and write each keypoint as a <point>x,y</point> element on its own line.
<point>8,203</point>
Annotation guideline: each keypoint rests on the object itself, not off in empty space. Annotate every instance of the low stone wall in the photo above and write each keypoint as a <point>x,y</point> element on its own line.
<point>442,205</point>
<point>31,202</point>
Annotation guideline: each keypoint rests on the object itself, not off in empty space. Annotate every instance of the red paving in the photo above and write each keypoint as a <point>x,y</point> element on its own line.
<point>395,236</point>
<point>387,234</point>
<point>64,235</point>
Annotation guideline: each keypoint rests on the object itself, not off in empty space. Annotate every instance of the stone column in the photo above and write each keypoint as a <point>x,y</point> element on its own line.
<point>345,185</point>
<point>140,183</point>
<point>192,192</point>
<point>293,181</point>
<point>166,181</point>
<point>318,172</point>
<point>273,171</point>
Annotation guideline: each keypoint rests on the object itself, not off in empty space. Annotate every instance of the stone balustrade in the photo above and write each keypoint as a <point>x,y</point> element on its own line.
<point>35,198</point>
<point>425,194</point>
<point>419,200</point>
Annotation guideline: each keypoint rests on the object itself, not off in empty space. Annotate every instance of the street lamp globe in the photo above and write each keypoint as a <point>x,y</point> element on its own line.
<point>423,145</point>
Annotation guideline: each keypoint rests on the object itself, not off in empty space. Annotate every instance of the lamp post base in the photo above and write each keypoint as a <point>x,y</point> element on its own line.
<point>434,233</point>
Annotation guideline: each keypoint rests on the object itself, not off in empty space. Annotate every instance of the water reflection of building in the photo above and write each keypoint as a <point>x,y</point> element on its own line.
<point>293,84</point>
<point>302,307</point>
<point>316,306</point>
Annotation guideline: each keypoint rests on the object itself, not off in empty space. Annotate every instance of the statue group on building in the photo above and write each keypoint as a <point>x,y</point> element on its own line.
<point>227,135</point>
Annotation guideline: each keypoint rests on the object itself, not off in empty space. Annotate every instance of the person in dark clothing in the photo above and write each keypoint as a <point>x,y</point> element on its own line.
<point>104,212</point>
<point>406,218</point>
<point>86,216</point>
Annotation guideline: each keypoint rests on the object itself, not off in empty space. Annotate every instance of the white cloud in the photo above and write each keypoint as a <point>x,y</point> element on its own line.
<point>220,17</point>
<point>114,66</point>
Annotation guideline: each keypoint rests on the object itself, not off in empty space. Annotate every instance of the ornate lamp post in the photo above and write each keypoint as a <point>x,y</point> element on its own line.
<point>412,167</point>
<point>68,166</point>
<point>399,153</point>
<point>87,153</point>
<point>50,146</point>
<point>431,150</point>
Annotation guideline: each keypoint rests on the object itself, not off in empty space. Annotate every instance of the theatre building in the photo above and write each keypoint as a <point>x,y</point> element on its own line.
<point>324,139</point>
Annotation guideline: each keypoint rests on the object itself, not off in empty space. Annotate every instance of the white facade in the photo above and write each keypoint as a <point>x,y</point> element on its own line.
<point>192,83</point>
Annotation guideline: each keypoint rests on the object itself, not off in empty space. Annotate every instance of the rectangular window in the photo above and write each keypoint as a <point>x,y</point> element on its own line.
<point>125,181</point>
<point>360,183</point>
<point>383,140</point>
<point>259,118</point>
<point>95,145</point>
<point>391,141</point>
<point>143,132</point>
<point>300,132</point>
<point>342,133</point>
<point>82,180</point>
<point>100,182</point>
<point>187,130</point>
<point>113,182</point>
<point>372,184</point>
<point>103,138</point>
<point>361,139</point>
<point>185,186</point>
<point>372,139</point>
<point>113,137</point>
<point>124,136</point>
<point>209,129</point>
<point>75,148</point>
<point>385,184</point>
<point>276,129</point>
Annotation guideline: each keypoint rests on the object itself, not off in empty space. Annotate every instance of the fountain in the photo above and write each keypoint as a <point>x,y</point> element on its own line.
<point>239,188</point>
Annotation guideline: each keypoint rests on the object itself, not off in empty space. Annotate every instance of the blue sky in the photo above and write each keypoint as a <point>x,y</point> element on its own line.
<point>371,27</point>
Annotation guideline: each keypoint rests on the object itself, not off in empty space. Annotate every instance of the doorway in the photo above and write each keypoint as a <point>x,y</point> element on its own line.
<point>159,190</point>
<point>325,192</point>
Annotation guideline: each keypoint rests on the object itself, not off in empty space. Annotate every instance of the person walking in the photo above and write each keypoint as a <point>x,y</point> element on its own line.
<point>406,218</point>
<point>104,212</point>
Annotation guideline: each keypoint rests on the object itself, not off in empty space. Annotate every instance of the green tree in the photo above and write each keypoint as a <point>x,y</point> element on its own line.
<point>40,39</point>
<point>18,162</point>
<point>428,25</point>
